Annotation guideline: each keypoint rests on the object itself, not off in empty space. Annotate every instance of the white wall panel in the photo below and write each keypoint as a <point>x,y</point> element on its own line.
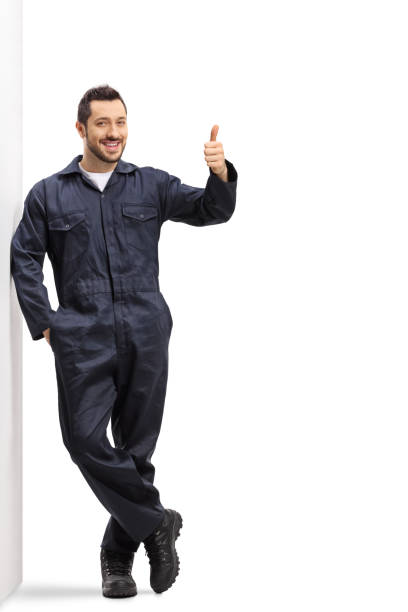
<point>10,330</point>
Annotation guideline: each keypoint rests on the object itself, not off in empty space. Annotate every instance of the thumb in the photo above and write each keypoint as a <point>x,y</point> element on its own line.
<point>214,132</point>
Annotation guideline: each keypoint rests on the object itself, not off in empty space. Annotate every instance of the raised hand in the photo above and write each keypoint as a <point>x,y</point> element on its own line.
<point>214,155</point>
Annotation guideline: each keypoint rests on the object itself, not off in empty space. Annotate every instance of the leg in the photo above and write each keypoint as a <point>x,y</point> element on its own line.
<point>137,415</point>
<point>86,400</point>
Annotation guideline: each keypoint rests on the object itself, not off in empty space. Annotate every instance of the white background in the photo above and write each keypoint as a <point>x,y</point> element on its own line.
<point>284,437</point>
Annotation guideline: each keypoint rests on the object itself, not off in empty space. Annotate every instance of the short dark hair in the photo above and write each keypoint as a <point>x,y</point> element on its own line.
<point>102,92</point>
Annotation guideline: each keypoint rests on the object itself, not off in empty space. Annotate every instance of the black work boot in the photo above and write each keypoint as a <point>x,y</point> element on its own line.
<point>116,568</point>
<point>160,548</point>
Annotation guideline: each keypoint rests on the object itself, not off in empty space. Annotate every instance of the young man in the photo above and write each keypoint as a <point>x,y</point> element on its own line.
<point>99,221</point>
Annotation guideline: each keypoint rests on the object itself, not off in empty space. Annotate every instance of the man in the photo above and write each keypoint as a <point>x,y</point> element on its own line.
<point>99,221</point>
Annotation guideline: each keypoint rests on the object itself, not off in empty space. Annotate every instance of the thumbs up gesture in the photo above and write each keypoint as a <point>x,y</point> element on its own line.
<point>214,155</point>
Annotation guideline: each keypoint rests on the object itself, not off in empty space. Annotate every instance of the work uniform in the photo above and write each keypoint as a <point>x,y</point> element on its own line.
<point>111,331</point>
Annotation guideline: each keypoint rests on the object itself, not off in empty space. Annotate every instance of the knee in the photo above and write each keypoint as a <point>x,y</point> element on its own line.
<point>83,448</point>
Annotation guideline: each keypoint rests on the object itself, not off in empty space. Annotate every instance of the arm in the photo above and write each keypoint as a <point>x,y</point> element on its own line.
<point>198,206</point>
<point>28,248</point>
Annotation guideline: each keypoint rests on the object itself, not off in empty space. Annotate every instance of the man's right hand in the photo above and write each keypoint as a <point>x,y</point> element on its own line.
<point>46,333</point>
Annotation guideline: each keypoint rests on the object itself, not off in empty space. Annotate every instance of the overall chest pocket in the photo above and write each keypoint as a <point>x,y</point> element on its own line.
<point>68,235</point>
<point>140,224</point>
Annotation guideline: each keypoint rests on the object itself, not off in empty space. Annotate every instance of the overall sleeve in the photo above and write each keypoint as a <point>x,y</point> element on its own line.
<point>28,248</point>
<point>199,206</point>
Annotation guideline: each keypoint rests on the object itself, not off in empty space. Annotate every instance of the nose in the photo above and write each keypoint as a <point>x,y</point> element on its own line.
<point>113,133</point>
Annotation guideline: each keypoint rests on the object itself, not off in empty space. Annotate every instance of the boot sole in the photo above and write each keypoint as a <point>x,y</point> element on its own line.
<point>119,592</point>
<point>176,526</point>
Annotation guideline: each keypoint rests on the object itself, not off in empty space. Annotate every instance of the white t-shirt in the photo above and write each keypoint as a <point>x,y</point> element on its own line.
<point>98,178</point>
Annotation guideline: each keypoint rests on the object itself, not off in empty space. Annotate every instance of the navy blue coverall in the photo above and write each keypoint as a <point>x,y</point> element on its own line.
<point>111,331</point>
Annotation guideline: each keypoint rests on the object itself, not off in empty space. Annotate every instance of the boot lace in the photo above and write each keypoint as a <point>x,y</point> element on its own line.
<point>156,548</point>
<point>116,562</point>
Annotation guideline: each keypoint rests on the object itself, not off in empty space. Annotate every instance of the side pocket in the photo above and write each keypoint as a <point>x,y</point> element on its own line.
<point>51,332</point>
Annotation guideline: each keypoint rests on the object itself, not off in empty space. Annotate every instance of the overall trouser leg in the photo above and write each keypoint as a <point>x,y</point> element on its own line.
<point>110,472</point>
<point>136,420</point>
<point>129,387</point>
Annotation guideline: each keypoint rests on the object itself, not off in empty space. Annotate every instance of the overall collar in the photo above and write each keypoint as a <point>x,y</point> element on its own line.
<point>122,167</point>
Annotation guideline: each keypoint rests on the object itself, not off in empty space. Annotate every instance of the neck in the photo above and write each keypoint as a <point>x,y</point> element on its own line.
<point>93,164</point>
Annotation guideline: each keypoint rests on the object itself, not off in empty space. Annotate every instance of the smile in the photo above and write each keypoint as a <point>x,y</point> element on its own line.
<point>111,145</point>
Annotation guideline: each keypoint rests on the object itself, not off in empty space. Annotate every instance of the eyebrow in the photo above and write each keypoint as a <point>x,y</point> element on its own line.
<point>99,118</point>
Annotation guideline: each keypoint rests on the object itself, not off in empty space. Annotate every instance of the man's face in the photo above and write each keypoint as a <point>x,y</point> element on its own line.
<point>107,125</point>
